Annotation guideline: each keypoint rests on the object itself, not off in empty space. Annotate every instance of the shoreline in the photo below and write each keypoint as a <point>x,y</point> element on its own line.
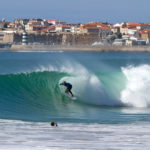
<point>76,48</point>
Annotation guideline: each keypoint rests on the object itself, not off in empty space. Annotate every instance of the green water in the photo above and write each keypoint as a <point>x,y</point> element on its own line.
<point>102,82</point>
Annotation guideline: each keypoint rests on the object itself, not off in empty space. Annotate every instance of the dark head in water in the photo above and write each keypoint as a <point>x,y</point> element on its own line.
<point>53,123</point>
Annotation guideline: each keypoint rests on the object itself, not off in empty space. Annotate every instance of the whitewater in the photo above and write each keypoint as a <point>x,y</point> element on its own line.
<point>111,111</point>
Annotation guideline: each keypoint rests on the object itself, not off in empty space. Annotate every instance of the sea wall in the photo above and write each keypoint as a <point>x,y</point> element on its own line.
<point>65,42</point>
<point>53,38</point>
<point>39,38</point>
<point>7,38</point>
<point>45,38</point>
<point>79,39</point>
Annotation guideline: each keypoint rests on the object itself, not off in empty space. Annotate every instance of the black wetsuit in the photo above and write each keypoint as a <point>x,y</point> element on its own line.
<point>69,87</point>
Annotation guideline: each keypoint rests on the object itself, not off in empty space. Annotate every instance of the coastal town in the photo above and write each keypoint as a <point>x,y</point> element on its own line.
<point>56,32</point>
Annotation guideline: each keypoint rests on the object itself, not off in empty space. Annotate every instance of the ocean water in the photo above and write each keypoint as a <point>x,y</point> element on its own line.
<point>111,110</point>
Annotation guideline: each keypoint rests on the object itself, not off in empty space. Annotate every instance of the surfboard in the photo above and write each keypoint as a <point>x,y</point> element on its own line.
<point>72,97</point>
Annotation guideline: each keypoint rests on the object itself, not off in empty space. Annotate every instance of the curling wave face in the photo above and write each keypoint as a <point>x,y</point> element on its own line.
<point>35,94</point>
<point>39,93</point>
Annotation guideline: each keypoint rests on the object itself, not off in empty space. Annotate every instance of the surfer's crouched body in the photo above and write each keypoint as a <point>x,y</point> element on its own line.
<point>69,87</point>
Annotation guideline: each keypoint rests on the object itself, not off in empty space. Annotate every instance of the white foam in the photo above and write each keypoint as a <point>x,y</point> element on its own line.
<point>66,67</point>
<point>137,91</point>
<point>16,135</point>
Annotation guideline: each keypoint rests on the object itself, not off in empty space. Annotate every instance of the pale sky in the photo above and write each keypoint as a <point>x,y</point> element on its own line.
<point>77,11</point>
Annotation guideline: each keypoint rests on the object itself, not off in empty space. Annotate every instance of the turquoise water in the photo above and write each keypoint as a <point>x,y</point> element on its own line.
<point>111,88</point>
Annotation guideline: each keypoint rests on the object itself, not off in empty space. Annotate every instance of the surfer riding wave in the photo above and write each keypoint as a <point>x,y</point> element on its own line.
<point>69,87</point>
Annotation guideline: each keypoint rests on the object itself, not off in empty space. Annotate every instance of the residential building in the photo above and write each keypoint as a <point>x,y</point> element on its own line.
<point>124,30</point>
<point>37,28</point>
<point>115,29</point>
<point>95,28</point>
<point>86,28</point>
<point>104,31</point>
<point>143,27</point>
<point>63,28</point>
<point>23,22</point>
<point>56,22</point>
<point>119,42</point>
<point>132,31</point>
<point>141,42</point>
<point>130,42</point>
<point>1,37</point>
<point>145,35</point>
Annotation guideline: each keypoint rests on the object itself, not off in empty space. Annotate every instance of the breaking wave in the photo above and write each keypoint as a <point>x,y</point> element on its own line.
<point>37,94</point>
<point>136,92</point>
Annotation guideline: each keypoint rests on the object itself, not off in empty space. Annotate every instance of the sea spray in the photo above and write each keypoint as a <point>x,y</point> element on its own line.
<point>136,92</point>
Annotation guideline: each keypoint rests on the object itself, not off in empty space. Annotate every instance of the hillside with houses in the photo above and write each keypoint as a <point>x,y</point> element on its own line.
<point>56,32</point>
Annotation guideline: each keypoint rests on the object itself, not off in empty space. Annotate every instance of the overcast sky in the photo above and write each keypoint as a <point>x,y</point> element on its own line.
<point>78,11</point>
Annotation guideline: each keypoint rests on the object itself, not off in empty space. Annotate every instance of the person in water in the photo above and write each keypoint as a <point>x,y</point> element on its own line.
<point>69,87</point>
<point>53,123</point>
